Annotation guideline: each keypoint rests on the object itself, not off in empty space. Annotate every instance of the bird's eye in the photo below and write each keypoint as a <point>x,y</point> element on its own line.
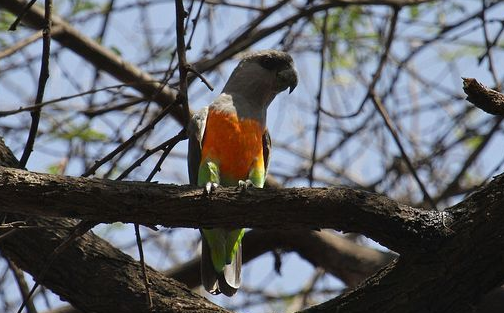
<point>268,63</point>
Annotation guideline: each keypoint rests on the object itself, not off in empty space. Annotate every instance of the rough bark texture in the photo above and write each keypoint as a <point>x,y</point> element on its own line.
<point>396,226</point>
<point>484,98</point>
<point>448,259</point>
<point>448,277</point>
<point>93,275</point>
<point>342,257</point>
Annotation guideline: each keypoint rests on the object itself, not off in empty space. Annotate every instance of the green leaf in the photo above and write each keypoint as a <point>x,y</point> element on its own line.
<point>84,5</point>
<point>350,37</point>
<point>474,142</point>
<point>414,12</point>
<point>84,133</point>
<point>6,20</point>
<point>54,169</point>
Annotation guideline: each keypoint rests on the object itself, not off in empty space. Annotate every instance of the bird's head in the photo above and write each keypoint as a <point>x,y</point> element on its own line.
<point>277,63</point>
<point>262,75</point>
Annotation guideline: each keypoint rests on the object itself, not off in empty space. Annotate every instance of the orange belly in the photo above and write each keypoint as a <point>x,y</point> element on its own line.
<point>234,144</point>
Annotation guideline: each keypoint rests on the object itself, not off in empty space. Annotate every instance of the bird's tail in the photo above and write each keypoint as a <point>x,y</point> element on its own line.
<point>226,282</point>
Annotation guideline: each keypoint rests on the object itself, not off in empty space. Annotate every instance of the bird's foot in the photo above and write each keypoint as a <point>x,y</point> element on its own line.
<point>210,189</point>
<point>243,185</point>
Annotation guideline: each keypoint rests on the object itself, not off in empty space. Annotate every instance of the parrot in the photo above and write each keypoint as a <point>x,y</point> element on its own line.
<point>229,145</point>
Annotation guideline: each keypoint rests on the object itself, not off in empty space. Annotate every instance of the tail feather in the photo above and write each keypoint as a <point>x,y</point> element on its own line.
<point>226,282</point>
<point>230,280</point>
<point>208,273</point>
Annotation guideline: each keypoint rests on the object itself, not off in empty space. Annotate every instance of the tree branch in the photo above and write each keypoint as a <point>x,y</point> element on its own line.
<point>484,98</point>
<point>92,260</point>
<point>43,77</point>
<point>430,282</point>
<point>108,61</point>
<point>396,226</point>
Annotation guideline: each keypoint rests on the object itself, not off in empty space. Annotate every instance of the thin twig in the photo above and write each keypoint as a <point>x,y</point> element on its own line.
<point>169,73</point>
<point>183,99</point>
<point>43,77</point>
<point>100,39</point>
<point>23,286</point>
<point>27,41</point>
<point>200,76</point>
<point>144,268</point>
<point>383,112</point>
<point>319,98</point>
<point>491,66</point>
<point>119,107</point>
<point>42,104</point>
<point>167,146</point>
<point>388,122</point>
<point>20,17</point>
<point>181,136</point>
<point>195,23</point>
<point>181,52</point>
<point>485,139</point>
<point>128,142</point>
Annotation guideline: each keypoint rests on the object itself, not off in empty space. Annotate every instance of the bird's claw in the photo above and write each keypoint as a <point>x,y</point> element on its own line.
<point>243,185</point>
<point>210,189</point>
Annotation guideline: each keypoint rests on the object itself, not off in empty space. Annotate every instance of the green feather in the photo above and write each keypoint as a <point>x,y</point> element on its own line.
<point>224,243</point>
<point>208,172</point>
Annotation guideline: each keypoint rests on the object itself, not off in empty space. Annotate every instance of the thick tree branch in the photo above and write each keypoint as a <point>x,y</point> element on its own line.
<point>343,258</point>
<point>100,273</point>
<point>484,98</point>
<point>396,226</point>
<point>463,267</point>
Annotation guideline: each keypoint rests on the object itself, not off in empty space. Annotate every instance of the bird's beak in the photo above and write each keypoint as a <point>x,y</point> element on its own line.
<point>292,87</point>
<point>289,78</point>
<point>293,80</point>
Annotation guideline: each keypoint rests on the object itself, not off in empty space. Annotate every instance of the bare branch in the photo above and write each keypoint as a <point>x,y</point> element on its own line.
<point>183,65</point>
<point>43,77</point>
<point>483,97</point>
<point>392,224</point>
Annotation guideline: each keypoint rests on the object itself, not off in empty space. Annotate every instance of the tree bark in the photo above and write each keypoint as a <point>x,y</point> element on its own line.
<point>397,226</point>
<point>483,97</point>
<point>93,275</point>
